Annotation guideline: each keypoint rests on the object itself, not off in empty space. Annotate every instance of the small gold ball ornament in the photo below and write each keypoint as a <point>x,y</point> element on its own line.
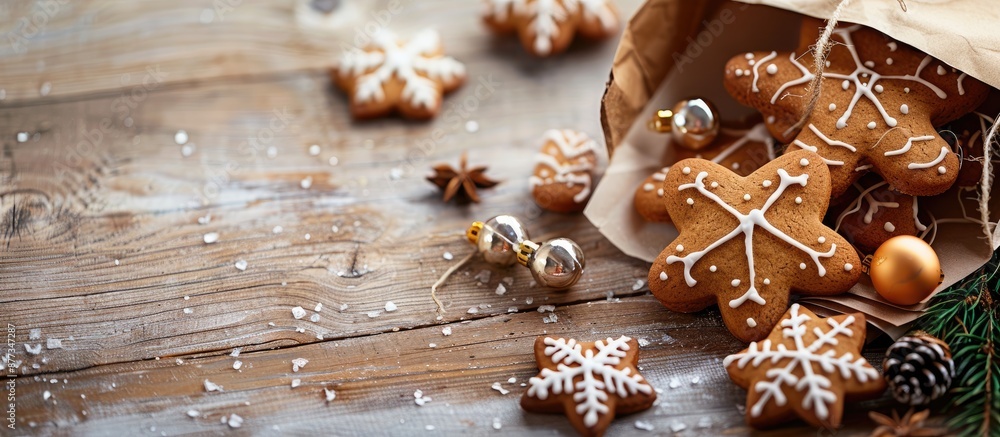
<point>694,123</point>
<point>904,270</point>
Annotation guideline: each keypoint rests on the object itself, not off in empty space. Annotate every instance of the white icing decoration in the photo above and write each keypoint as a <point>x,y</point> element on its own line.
<point>804,367</point>
<point>659,192</point>
<point>767,281</point>
<point>648,187</point>
<point>686,170</point>
<point>660,176</point>
<point>828,141</point>
<point>861,71</point>
<point>892,46</point>
<point>802,266</point>
<point>772,69</point>
<point>871,125</point>
<point>961,88</point>
<point>747,224</point>
<point>756,74</point>
<point>690,201</point>
<point>909,143</point>
<point>712,268</point>
<point>848,267</point>
<point>863,167</point>
<point>833,107</point>
<point>803,162</point>
<point>904,109</point>
<point>936,161</point>
<point>663,276</point>
<point>888,61</point>
<point>889,227</point>
<point>766,183</point>
<point>941,71</point>
<point>942,170</point>
<point>748,56</point>
<point>573,146</point>
<point>746,197</point>
<point>870,64</point>
<point>821,239</point>
<point>873,205</point>
<point>736,283</point>
<point>739,72</point>
<point>879,88</point>
<point>413,62</point>
<point>715,185</point>
<point>680,247</point>
<point>798,200</point>
<point>590,377</point>
<point>751,322</point>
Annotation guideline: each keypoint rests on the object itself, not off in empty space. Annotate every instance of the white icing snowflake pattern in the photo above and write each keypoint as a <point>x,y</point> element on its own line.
<point>546,16</point>
<point>804,366</point>
<point>573,146</point>
<point>598,372</point>
<point>747,225</point>
<point>414,62</point>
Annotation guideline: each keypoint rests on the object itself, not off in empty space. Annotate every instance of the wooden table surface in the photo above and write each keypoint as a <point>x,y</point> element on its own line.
<point>103,222</point>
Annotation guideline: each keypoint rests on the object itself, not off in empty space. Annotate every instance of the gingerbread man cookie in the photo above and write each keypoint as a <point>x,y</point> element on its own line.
<point>590,382</point>
<point>807,367</point>
<point>741,150</point>
<point>394,75</point>
<point>880,102</point>
<point>874,213</point>
<point>564,172</point>
<point>546,27</point>
<point>746,242</point>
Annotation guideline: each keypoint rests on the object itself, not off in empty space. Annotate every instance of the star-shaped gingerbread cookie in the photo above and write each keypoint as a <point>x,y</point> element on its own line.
<point>394,75</point>
<point>880,102</point>
<point>807,367</point>
<point>547,27</point>
<point>746,242</point>
<point>590,382</point>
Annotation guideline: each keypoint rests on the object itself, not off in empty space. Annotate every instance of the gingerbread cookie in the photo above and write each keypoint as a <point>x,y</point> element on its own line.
<point>746,242</point>
<point>392,75</point>
<point>590,382</point>
<point>807,367</point>
<point>741,150</point>
<point>564,171</point>
<point>874,213</point>
<point>546,27</point>
<point>879,104</point>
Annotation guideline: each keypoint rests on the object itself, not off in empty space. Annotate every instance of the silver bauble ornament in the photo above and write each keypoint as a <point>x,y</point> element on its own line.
<point>694,123</point>
<point>557,263</point>
<point>498,239</point>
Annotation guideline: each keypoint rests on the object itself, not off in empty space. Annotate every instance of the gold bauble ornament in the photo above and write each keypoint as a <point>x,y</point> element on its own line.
<point>904,270</point>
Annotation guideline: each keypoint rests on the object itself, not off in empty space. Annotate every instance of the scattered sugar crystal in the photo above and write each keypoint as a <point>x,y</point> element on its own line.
<point>53,343</point>
<point>528,300</point>
<point>390,306</point>
<point>35,333</point>
<point>544,308</point>
<point>237,364</point>
<point>296,383</point>
<point>187,150</point>
<point>319,307</point>
<point>446,330</point>
<point>551,318</point>
<point>677,427</point>
<point>638,284</point>
<point>705,422</point>
<point>298,313</point>
<point>496,386</point>
<point>483,276</point>
<point>330,394</point>
<point>496,423</point>
<point>46,395</point>
<point>188,311</point>
<point>512,380</point>
<point>314,150</point>
<point>429,427</point>
<point>211,237</point>
<point>299,363</point>
<point>272,151</point>
<point>211,386</point>
<point>432,345</point>
<point>674,383</point>
<point>22,137</point>
<point>696,380</point>
<point>472,126</point>
<point>448,256</point>
<point>501,290</point>
<point>306,182</point>
<point>193,413</point>
<point>314,318</point>
<point>343,307</point>
<point>473,310</point>
<point>181,137</point>
<point>236,352</point>
<point>235,421</point>
<point>33,350</point>
<point>643,425</point>
<point>241,265</point>
<point>277,229</point>
<point>643,342</point>
<point>374,314</point>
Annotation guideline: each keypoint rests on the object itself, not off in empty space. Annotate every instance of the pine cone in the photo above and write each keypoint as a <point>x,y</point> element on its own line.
<point>918,368</point>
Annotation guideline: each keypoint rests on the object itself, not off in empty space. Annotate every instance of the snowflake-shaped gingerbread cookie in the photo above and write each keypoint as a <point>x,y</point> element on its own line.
<point>546,27</point>
<point>394,75</point>
<point>806,367</point>
<point>588,381</point>
<point>746,243</point>
<point>880,102</point>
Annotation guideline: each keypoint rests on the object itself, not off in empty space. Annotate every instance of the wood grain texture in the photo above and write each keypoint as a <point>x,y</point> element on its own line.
<point>102,225</point>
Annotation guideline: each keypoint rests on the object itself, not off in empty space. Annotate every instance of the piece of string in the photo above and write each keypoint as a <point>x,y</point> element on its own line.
<point>820,52</point>
<point>986,182</point>
<point>445,277</point>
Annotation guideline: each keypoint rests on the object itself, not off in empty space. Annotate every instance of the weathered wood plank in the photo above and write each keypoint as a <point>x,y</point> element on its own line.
<point>375,378</point>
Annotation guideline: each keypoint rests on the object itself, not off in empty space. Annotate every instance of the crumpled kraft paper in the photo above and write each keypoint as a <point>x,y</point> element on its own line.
<point>673,49</point>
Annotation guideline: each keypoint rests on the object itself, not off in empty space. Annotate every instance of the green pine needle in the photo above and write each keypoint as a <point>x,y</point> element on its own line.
<point>966,317</point>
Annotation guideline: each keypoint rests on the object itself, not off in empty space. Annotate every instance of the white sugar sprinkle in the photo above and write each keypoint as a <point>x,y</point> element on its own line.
<point>314,149</point>
<point>390,306</point>
<point>448,256</point>
<point>472,126</point>
<point>330,394</point>
<point>643,425</point>
<point>446,330</point>
<point>181,137</point>
<point>298,312</point>
<point>241,265</point>
<point>299,363</point>
<point>211,237</point>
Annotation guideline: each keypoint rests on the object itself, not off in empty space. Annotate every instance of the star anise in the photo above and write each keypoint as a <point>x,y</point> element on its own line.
<point>911,424</point>
<point>461,183</point>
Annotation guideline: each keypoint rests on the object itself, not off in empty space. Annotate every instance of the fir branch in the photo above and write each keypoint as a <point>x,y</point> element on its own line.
<point>966,317</point>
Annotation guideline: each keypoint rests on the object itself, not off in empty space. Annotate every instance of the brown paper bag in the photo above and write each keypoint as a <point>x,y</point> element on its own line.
<point>673,49</point>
